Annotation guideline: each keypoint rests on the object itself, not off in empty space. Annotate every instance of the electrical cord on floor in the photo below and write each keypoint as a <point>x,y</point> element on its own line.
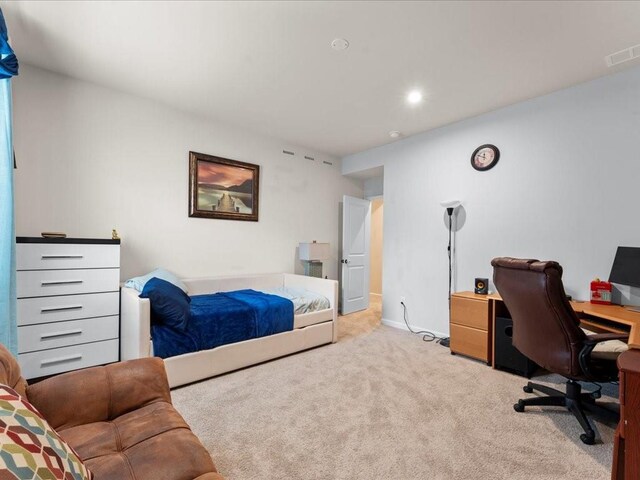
<point>427,336</point>
<point>597,390</point>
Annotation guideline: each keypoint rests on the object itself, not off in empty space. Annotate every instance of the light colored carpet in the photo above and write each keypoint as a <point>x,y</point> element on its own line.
<point>379,404</point>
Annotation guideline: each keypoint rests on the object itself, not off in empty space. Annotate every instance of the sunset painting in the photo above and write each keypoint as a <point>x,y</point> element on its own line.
<point>223,188</point>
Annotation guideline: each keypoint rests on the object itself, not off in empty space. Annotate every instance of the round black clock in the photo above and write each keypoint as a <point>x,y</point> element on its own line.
<point>485,157</point>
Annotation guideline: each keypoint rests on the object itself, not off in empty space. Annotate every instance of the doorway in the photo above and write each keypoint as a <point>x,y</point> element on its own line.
<point>375,272</point>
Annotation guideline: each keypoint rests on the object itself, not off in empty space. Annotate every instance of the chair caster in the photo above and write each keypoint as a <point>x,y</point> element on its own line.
<point>518,407</point>
<point>527,389</point>
<point>588,439</point>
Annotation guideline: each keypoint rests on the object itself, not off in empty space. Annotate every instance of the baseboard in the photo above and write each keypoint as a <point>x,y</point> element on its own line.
<point>403,326</point>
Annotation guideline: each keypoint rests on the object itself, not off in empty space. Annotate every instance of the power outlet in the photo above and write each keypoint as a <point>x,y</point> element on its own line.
<point>402,299</point>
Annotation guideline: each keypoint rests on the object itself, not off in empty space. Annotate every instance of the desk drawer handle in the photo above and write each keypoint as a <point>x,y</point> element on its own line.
<point>58,257</point>
<point>60,309</point>
<point>60,282</point>
<point>68,358</point>
<point>46,336</point>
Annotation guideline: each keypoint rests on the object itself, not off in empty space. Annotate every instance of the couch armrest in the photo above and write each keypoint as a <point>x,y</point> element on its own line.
<point>101,393</point>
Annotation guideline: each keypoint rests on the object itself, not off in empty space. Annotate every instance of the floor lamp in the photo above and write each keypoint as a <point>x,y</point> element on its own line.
<point>450,205</point>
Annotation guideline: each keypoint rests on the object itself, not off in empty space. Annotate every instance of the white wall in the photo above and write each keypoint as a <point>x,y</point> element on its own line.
<point>566,188</point>
<point>92,159</point>
<point>374,187</point>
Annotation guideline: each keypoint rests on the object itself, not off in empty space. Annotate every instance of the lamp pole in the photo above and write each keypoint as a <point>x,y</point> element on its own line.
<point>450,213</point>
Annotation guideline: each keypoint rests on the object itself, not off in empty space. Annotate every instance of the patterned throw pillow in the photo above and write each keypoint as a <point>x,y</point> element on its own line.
<point>30,448</point>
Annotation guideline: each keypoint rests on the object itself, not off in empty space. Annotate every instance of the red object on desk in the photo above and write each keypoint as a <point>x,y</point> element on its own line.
<point>601,292</point>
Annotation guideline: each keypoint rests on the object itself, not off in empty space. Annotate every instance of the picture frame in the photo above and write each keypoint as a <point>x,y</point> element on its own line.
<point>223,188</point>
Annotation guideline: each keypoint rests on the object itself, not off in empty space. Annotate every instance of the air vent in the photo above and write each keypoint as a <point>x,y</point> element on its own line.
<point>287,152</point>
<point>327,163</point>
<point>623,56</point>
<point>309,158</point>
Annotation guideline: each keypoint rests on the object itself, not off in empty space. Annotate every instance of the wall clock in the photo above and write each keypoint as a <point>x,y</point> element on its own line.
<point>485,157</point>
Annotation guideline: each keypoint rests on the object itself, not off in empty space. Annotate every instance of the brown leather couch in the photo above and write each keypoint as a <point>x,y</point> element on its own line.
<point>119,419</point>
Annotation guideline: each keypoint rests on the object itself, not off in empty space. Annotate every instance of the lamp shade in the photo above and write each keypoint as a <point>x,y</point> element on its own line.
<point>450,203</point>
<point>314,251</point>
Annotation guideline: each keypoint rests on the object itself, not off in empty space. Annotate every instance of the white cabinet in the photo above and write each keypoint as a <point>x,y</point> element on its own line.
<point>68,304</point>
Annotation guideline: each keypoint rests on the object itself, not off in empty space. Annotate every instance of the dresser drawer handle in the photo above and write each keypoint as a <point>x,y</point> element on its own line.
<point>57,257</point>
<point>68,358</point>
<point>60,309</point>
<point>60,282</point>
<point>46,336</point>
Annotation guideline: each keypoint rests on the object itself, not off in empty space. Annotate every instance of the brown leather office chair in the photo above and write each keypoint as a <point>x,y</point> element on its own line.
<point>547,330</point>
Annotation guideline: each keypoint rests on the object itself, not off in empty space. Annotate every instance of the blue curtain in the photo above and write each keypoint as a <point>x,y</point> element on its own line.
<point>8,68</point>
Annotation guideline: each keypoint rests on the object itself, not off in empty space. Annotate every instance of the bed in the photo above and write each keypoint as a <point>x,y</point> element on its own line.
<point>310,328</point>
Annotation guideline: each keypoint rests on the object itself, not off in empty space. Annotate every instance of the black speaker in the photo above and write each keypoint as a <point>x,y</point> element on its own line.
<point>507,356</point>
<point>481,286</point>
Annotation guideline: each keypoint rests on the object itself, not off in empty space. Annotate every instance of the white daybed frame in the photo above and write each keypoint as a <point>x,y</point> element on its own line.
<point>309,329</point>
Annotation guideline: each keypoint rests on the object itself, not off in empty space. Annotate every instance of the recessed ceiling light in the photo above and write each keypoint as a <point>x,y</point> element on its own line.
<point>339,44</point>
<point>395,134</point>
<point>414,97</point>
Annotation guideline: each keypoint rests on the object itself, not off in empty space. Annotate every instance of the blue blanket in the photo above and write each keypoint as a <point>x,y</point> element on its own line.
<point>224,318</point>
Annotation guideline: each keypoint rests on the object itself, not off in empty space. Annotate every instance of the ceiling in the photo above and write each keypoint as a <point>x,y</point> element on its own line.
<point>268,66</point>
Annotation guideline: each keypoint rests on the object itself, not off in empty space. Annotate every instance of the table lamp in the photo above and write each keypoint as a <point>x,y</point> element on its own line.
<point>312,255</point>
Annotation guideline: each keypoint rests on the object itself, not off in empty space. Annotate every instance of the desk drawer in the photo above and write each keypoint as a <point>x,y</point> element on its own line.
<point>36,310</point>
<point>470,313</point>
<point>49,256</point>
<point>32,338</point>
<point>469,341</point>
<point>66,282</point>
<point>58,360</point>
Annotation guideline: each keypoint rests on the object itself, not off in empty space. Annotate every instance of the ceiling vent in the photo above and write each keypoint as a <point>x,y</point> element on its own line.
<point>623,56</point>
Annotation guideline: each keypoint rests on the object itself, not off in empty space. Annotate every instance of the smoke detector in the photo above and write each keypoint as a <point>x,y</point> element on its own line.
<point>395,134</point>
<point>623,56</point>
<point>340,44</point>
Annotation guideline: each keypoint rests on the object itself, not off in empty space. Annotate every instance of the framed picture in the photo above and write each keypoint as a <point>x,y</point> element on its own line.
<point>223,188</point>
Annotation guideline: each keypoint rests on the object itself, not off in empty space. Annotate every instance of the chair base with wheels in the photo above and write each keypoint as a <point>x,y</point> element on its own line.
<point>574,400</point>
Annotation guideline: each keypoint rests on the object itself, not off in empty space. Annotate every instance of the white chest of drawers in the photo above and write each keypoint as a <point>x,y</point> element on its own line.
<point>68,304</point>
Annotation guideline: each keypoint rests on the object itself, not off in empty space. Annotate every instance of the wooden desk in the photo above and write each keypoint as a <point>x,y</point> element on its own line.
<point>472,322</point>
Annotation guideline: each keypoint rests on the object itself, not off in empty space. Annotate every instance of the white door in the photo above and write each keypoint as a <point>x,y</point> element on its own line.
<point>354,287</point>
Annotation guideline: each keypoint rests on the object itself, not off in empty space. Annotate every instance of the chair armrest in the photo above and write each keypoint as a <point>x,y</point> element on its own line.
<point>101,393</point>
<point>584,357</point>
<point>603,337</point>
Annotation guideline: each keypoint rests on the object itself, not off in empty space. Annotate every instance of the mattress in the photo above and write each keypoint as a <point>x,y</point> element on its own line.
<point>224,318</point>
<point>304,301</point>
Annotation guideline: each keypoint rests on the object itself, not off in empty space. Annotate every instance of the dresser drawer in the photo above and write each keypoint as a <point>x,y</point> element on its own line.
<point>62,334</point>
<point>51,256</point>
<point>470,313</point>
<point>67,307</point>
<point>469,341</point>
<point>57,360</point>
<point>66,282</point>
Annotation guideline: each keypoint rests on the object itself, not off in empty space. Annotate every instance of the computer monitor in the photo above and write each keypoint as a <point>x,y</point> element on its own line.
<point>626,267</point>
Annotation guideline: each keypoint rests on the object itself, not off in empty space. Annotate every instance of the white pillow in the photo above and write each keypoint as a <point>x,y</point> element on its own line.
<point>138,283</point>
